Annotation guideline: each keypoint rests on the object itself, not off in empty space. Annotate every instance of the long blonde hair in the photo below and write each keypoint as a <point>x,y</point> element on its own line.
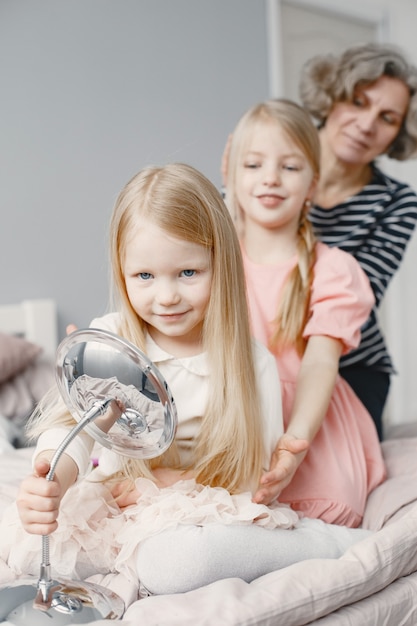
<point>184,203</point>
<point>293,308</point>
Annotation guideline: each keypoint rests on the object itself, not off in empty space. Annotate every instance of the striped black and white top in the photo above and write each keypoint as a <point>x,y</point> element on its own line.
<point>375,226</point>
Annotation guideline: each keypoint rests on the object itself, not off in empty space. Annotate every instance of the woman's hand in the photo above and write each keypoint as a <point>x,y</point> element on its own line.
<point>286,458</point>
<point>38,500</point>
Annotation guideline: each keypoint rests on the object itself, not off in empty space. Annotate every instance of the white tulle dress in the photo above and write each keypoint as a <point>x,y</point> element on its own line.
<point>94,535</point>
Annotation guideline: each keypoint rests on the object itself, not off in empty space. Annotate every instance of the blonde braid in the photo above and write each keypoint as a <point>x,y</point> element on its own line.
<point>293,310</point>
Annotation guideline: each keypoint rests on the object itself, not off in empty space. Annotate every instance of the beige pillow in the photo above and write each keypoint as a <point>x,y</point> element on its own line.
<point>16,354</point>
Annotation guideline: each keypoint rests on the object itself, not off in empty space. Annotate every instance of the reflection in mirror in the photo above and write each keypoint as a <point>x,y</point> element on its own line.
<point>95,365</point>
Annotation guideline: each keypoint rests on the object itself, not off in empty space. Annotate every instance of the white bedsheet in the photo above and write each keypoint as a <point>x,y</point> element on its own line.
<point>374,583</point>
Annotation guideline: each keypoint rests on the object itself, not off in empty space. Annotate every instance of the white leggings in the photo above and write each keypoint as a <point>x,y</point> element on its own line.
<point>186,557</point>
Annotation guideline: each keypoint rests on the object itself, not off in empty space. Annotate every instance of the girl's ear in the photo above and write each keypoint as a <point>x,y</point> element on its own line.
<point>312,188</point>
<point>225,160</point>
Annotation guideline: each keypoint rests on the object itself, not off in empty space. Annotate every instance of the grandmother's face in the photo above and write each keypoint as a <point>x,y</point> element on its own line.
<point>359,131</point>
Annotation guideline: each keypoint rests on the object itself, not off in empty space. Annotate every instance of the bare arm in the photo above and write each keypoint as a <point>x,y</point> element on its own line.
<point>315,384</point>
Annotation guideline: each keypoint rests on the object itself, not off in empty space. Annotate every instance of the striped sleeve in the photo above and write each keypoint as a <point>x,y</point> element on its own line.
<point>375,226</point>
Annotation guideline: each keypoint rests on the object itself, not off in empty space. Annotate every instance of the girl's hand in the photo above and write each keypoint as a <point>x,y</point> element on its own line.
<point>125,493</point>
<point>38,500</point>
<point>285,460</point>
<point>165,476</point>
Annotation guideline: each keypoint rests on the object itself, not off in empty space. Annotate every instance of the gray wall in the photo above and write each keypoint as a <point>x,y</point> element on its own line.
<point>92,91</point>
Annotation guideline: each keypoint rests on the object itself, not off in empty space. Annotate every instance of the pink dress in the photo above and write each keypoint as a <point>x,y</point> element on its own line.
<point>344,462</point>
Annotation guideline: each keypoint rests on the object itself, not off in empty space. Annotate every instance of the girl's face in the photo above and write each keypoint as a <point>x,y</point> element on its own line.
<point>359,131</point>
<point>274,179</point>
<point>168,281</point>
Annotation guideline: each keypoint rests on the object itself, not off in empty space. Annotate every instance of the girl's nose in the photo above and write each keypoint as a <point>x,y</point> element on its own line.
<point>167,293</point>
<point>271,176</point>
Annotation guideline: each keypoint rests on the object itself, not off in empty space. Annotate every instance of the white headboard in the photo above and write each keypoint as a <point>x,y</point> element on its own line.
<point>36,320</point>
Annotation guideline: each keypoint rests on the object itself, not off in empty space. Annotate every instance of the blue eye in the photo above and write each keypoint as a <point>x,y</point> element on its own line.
<point>188,273</point>
<point>145,275</point>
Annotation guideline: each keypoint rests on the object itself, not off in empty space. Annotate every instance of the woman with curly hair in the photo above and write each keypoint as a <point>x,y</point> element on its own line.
<point>365,103</point>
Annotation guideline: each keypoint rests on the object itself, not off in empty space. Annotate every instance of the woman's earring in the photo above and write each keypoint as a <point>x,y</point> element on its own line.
<point>307,204</point>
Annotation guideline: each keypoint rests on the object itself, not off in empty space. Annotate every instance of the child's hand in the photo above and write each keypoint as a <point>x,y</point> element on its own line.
<point>125,493</point>
<point>287,456</point>
<point>165,476</point>
<point>38,500</point>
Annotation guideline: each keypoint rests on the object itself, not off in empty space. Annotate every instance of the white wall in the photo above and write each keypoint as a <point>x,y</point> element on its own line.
<point>92,91</point>
<point>401,300</point>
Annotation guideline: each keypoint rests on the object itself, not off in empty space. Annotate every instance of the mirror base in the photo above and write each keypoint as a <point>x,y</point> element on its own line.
<point>71,602</point>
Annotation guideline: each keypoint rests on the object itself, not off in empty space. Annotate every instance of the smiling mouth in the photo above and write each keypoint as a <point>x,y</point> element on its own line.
<point>269,199</point>
<point>171,316</point>
<point>357,142</point>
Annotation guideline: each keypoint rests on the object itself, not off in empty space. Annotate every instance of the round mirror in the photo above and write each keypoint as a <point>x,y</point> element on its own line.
<point>118,395</point>
<point>95,366</point>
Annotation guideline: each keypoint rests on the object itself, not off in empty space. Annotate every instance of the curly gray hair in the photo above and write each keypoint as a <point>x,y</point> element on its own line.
<point>326,79</point>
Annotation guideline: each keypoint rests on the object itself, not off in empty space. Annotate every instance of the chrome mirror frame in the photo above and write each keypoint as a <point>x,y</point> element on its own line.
<point>113,391</point>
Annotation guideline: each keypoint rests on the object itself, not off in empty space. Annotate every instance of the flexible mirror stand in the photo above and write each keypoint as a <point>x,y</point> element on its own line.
<point>121,399</point>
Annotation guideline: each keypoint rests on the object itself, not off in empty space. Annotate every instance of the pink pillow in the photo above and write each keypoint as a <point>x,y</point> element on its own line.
<point>16,354</point>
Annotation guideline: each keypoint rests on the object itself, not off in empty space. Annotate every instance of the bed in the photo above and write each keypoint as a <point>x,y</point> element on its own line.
<point>373,583</point>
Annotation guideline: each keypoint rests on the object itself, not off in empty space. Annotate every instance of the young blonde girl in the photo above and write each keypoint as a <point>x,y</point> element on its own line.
<point>187,518</point>
<point>307,304</point>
